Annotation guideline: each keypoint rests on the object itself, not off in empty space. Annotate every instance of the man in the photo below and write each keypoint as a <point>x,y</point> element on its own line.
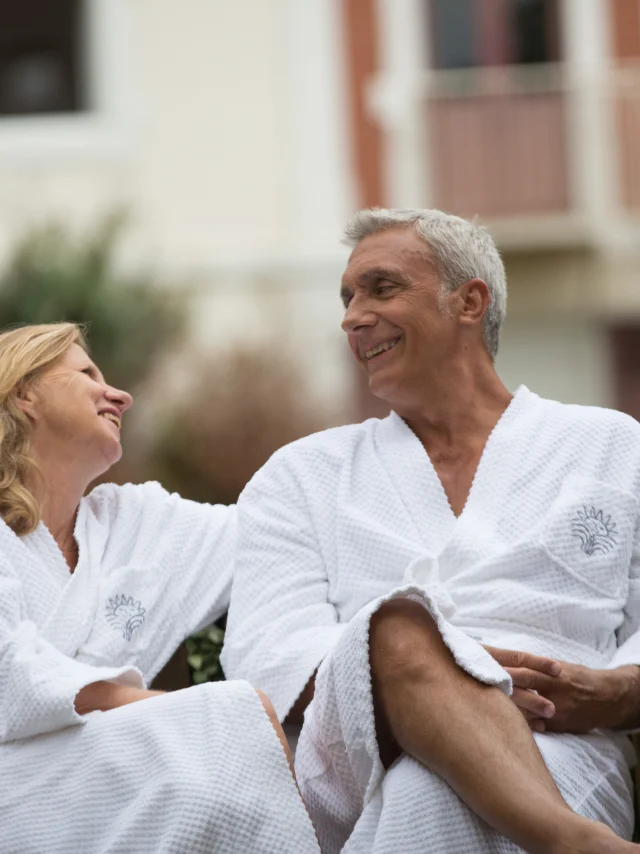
<point>388,569</point>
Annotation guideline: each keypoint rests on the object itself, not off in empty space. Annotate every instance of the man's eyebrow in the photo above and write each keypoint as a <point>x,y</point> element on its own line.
<point>381,273</point>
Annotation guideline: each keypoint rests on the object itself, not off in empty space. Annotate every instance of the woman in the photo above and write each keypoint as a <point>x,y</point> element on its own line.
<point>96,593</point>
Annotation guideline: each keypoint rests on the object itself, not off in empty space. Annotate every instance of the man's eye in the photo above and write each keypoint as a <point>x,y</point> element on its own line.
<point>88,371</point>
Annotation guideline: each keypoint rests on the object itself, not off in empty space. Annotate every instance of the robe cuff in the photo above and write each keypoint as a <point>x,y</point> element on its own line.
<point>50,706</point>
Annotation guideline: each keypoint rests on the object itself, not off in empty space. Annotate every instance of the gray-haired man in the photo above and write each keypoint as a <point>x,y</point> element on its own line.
<point>385,567</point>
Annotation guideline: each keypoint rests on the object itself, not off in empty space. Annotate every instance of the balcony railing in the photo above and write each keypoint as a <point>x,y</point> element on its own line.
<point>510,142</point>
<point>627,116</point>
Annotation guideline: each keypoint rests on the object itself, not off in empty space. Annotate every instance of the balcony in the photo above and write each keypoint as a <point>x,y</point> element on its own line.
<point>542,158</point>
<point>498,144</point>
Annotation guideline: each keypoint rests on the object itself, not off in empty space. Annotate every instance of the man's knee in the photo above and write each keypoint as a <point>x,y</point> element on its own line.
<point>402,639</point>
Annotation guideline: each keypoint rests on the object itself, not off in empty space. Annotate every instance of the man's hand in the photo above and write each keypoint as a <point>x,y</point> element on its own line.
<point>530,673</point>
<point>559,696</point>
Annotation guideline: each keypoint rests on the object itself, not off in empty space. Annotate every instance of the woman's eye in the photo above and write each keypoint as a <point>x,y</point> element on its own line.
<point>88,371</point>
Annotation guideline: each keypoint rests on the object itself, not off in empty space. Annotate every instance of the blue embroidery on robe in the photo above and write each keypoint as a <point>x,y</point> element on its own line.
<point>125,614</point>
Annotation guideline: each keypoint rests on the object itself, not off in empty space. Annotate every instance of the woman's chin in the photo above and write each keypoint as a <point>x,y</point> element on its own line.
<point>111,455</point>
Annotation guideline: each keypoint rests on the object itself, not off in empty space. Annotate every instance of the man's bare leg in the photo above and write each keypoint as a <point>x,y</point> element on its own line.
<point>472,736</point>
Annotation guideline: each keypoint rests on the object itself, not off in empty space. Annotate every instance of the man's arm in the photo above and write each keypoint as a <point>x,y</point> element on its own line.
<point>281,622</point>
<point>582,698</point>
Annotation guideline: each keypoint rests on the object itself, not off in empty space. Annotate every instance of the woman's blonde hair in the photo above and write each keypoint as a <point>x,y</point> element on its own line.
<point>25,353</point>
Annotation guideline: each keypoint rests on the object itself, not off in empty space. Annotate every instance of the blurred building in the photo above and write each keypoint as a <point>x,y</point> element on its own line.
<point>242,135</point>
<point>220,125</point>
<point>526,114</point>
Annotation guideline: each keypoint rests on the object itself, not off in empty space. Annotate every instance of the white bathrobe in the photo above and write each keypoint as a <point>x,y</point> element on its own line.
<point>197,771</point>
<point>545,557</point>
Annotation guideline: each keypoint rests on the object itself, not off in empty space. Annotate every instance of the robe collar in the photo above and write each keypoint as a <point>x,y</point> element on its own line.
<point>417,481</point>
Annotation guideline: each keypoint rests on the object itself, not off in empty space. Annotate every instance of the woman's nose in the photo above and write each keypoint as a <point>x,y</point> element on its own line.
<point>122,399</point>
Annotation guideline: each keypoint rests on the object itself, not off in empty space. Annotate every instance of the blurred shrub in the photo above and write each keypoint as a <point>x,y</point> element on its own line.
<point>52,276</point>
<point>203,655</point>
<point>241,407</point>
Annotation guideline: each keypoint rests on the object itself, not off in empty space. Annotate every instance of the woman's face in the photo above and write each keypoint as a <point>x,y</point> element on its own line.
<point>75,415</point>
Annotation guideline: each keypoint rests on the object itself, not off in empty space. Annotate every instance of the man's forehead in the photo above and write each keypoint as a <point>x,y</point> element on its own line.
<point>393,248</point>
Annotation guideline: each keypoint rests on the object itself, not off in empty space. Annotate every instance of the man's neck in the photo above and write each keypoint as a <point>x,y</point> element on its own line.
<point>456,412</point>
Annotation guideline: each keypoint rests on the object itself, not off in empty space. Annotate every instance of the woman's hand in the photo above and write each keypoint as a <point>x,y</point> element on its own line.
<point>102,696</point>
<point>559,696</point>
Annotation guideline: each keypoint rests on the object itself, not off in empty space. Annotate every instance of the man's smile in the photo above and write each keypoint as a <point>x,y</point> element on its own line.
<point>380,348</point>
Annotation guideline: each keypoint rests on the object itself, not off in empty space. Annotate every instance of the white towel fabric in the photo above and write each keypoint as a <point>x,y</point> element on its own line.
<point>545,557</point>
<point>198,771</point>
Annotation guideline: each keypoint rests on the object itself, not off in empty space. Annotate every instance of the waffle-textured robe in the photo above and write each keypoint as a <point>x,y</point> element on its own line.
<point>198,771</point>
<point>545,557</point>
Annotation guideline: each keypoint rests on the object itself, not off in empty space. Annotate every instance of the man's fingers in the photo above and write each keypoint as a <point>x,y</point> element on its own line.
<point>525,660</point>
<point>532,704</point>
<point>532,680</point>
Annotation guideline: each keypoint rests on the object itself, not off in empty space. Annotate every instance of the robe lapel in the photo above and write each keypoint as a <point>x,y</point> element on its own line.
<point>475,537</point>
<point>70,622</point>
<point>416,482</point>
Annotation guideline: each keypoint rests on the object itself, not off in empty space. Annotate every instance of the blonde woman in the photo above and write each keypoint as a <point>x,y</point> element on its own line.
<point>96,592</point>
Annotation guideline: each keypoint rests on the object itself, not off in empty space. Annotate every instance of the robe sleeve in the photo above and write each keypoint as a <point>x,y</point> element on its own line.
<point>187,550</point>
<point>203,547</point>
<point>38,684</point>
<point>628,634</point>
<point>281,623</point>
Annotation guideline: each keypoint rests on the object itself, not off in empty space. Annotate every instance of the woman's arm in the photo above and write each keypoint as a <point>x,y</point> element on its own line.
<point>102,696</point>
<point>40,683</point>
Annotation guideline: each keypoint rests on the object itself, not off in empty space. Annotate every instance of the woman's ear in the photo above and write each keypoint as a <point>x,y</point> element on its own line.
<point>26,400</point>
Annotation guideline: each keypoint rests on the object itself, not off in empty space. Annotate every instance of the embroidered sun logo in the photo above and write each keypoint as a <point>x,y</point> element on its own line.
<point>126,614</point>
<point>596,532</point>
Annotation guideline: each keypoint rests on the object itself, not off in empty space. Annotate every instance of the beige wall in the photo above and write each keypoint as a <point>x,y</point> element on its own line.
<point>562,359</point>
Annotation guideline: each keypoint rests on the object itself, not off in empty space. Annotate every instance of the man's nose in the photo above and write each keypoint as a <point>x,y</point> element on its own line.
<point>122,399</point>
<point>358,313</point>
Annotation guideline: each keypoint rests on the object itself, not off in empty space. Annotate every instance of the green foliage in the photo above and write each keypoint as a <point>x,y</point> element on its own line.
<point>203,655</point>
<point>52,277</point>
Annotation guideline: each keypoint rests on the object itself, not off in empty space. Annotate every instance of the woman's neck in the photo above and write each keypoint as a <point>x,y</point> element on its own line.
<point>60,501</point>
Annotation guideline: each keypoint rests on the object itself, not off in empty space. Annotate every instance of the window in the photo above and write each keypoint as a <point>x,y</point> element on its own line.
<point>469,33</point>
<point>40,61</point>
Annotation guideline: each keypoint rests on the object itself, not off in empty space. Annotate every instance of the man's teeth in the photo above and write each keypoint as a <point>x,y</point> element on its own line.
<point>380,348</point>
<point>111,417</point>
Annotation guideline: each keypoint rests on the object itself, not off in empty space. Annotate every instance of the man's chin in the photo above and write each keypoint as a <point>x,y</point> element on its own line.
<point>382,388</point>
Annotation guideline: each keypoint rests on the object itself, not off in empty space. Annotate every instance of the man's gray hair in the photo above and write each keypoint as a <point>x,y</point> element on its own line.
<point>460,250</point>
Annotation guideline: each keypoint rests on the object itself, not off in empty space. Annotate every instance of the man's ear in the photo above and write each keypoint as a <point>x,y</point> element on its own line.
<point>26,401</point>
<point>474,299</point>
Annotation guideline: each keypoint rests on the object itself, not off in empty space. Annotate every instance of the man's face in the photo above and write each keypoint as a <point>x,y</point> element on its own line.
<point>399,327</point>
